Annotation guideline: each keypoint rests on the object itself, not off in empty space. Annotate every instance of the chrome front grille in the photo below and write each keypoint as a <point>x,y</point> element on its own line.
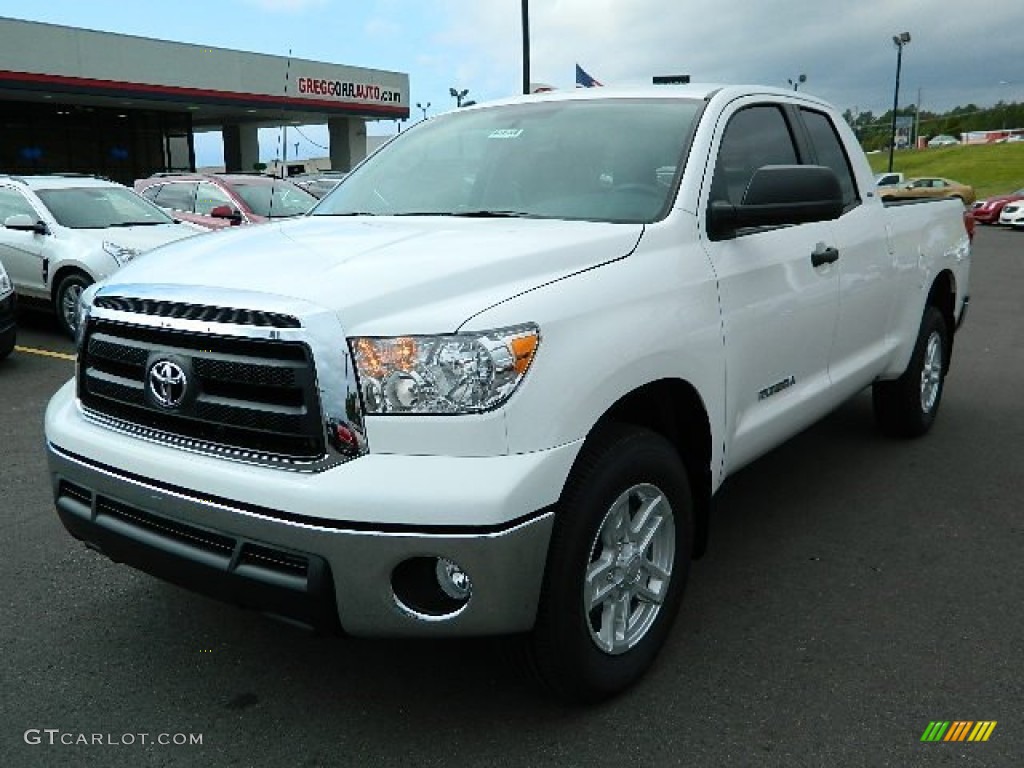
<point>246,396</point>
<point>180,310</point>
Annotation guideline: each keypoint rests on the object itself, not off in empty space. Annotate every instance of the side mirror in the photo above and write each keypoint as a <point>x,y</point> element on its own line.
<point>778,195</point>
<point>25,223</point>
<point>227,212</point>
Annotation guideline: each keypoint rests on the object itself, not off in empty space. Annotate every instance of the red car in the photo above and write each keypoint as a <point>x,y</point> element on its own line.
<point>987,211</point>
<point>969,224</point>
<point>222,200</point>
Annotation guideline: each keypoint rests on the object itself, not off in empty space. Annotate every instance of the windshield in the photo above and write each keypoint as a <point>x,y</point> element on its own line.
<point>596,160</point>
<point>101,207</point>
<point>277,200</point>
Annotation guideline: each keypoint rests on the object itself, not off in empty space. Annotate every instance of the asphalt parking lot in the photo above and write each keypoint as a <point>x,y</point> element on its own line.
<point>856,589</point>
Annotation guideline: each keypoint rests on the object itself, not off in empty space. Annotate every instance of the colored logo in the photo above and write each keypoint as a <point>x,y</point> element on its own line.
<point>958,730</point>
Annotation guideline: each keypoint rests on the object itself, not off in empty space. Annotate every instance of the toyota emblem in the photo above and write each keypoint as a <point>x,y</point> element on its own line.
<point>168,383</point>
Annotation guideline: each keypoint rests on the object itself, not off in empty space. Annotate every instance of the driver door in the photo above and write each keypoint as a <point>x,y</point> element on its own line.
<point>22,252</point>
<point>778,310</point>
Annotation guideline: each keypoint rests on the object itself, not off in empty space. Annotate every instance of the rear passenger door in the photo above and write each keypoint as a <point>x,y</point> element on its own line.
<point>778,310</point>
<point>866,266</point>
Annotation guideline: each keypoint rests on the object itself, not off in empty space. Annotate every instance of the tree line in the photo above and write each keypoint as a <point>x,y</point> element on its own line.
<point>874,130</point>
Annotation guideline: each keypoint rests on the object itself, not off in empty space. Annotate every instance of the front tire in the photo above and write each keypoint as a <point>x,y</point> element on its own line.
<point>907,406</point>
<point>65,300</point>
<point>617,567</point>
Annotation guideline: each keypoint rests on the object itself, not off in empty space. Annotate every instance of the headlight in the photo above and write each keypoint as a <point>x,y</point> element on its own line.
<point>121,254</point>
<point>85,299</point>
<point>456,373</point>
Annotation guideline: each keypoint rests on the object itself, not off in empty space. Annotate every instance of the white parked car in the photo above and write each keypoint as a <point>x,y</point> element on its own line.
<point>942,140</point>
<point>889,179</point>
<point>60,234</point>
<point>1012,214</point>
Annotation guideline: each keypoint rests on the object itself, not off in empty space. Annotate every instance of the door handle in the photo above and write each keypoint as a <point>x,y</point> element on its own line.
<point>822,255</point>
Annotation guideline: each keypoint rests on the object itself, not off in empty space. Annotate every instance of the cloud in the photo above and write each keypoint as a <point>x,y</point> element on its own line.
<point>381,28</point>
<point>845,49</point>
<point>287,6</point>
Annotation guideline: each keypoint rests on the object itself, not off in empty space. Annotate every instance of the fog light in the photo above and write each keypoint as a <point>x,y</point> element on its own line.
<point>453,581</point>
<point>431,588</point>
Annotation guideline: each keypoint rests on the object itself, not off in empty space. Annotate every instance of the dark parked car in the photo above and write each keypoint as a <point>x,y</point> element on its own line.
<point>987,211</point>
<point>8,303</point>
<point>222,200</point>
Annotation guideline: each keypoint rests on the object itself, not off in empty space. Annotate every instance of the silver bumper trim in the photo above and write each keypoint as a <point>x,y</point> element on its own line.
<point>506,566</point>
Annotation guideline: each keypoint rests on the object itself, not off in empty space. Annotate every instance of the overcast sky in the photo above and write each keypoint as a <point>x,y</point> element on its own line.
<point>959,53</point>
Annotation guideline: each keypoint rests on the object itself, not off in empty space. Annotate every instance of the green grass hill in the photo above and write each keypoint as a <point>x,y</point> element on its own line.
<point>992,169</point>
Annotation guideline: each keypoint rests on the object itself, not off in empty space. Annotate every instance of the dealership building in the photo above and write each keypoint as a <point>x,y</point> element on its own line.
<point>82,101</point>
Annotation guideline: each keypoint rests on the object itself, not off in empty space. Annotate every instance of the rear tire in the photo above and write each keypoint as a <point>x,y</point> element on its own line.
<point>617,565</point>
<point>907,407</point>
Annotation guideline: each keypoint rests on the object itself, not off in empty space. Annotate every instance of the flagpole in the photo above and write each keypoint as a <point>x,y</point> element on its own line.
<point>526,45</point>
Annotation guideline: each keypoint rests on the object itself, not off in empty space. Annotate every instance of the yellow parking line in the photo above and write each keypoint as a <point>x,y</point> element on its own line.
<point>46,353</point>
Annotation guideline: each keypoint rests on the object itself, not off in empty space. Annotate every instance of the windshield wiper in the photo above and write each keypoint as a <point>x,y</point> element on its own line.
<point>348,213</point>
<point>478,214</point>
<point>486,214</point>
<point>138,223</point>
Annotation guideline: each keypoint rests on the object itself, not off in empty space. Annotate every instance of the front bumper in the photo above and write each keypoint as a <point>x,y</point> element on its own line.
<point>963,312</point>
<point>328,557</point>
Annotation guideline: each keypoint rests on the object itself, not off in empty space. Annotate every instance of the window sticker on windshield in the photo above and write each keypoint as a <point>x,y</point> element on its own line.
<point>506,133</point>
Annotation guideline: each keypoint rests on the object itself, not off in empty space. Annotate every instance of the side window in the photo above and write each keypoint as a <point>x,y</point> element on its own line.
<point>209,197</point>
<point>12,203</point>
<point>830,152</point>
<point>150,193</point>
<point>755,136</point>
<point>177,197</point>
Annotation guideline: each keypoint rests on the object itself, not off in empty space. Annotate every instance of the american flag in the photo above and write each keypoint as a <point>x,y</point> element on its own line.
<point>583,80</point>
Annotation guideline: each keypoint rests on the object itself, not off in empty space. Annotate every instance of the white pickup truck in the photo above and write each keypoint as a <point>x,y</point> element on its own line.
<point>491,384</point>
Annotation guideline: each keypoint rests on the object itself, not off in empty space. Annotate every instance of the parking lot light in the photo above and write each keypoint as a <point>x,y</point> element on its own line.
<point>899,40</point>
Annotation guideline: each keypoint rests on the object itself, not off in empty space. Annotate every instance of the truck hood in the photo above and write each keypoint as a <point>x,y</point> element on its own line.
<point>385,275</point>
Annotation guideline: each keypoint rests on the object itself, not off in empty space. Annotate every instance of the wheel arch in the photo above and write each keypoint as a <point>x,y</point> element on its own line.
<point>674,409</point>
<point>942,296</point>
<point>63,271</point>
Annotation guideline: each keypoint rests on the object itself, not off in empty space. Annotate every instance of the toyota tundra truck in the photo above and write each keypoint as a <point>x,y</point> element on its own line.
<point>492,382</point>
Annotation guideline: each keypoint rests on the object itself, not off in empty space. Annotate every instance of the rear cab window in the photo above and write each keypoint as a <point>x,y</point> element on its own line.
<point>829,151</point>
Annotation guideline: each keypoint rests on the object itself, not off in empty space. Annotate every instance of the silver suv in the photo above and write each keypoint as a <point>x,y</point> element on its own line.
<point>60,234</point>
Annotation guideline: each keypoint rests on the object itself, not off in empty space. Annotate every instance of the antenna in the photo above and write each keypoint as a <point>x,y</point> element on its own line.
<point>282,137</point>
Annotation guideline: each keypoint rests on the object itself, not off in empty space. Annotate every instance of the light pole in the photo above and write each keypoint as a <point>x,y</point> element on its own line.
<point>525,12</point>
<point>917,119</point>
<point>458,95</point>
<point>424,108</point>
<point>900,40</point>
<point>798,82</point>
